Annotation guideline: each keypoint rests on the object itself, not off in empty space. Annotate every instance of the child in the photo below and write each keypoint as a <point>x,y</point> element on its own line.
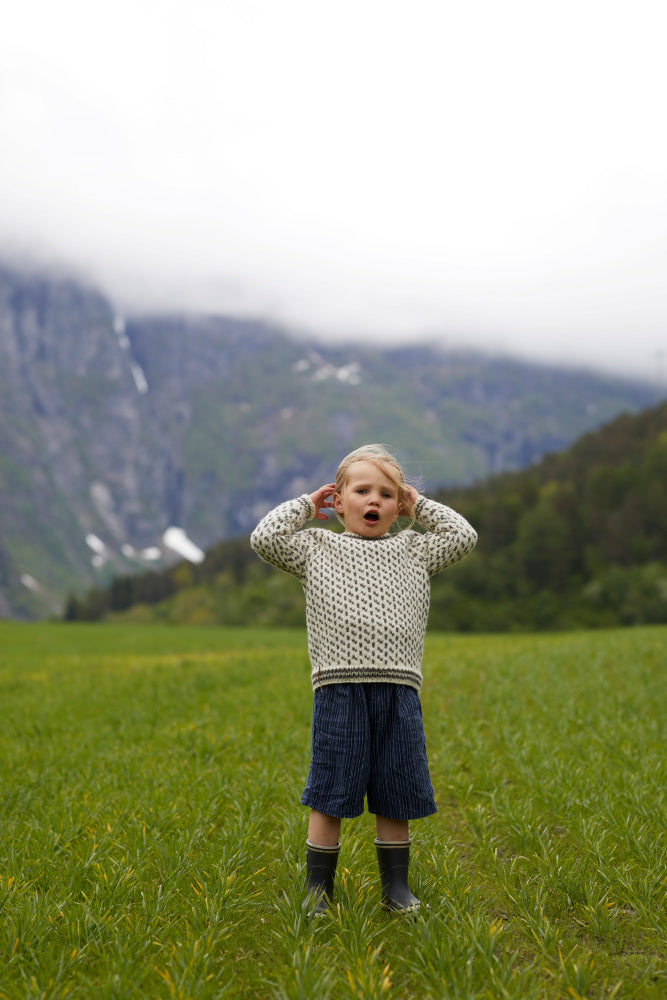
<point>367,599</point>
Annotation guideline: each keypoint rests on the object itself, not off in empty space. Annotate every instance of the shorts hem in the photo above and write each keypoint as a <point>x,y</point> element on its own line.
<point>407,816</point>
<point>334,811</point>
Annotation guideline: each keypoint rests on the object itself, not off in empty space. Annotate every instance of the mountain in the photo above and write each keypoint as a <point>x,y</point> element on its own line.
<point>579,540</point>
<point>128,441</point>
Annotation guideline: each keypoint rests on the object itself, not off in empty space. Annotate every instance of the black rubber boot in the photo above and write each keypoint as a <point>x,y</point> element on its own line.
<point>393,862</point>
<point>321,870</point>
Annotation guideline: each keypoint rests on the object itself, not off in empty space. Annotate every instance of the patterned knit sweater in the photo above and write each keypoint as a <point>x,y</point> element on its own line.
<point>367,599</point>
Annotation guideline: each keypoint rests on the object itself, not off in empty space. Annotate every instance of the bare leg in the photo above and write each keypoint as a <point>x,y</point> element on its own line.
<point>322,829</point>
<point>391,830</point>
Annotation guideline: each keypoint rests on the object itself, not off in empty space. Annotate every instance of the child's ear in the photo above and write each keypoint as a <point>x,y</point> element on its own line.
<point>338,503</point>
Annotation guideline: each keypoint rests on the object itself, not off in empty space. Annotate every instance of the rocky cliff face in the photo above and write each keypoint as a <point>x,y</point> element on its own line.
<point>115,429</point>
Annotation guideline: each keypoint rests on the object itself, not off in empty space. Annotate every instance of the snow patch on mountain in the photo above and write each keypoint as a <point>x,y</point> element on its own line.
<point>96,544</point>
<point>151,554</point>
<point>176,540</point>
<point>320,370</point>
<point>124,342</point>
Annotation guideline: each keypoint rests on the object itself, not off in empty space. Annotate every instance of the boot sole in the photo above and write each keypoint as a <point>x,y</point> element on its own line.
<point>399,910</point>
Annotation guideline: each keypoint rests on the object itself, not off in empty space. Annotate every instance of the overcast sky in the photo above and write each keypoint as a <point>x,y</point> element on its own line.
<point>484,173</point>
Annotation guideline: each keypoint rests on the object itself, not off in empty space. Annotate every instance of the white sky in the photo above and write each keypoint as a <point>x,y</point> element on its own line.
<point>488,173</point>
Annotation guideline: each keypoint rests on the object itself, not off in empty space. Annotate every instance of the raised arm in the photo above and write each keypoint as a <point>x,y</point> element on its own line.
<point>448,538</point>
<point>277,539</point>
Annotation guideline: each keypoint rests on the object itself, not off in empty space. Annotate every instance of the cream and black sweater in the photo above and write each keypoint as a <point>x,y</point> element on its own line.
<point>367,599</point>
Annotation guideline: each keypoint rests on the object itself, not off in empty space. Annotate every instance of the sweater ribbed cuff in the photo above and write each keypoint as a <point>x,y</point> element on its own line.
<point>419,504</point>
<point>312,511</point>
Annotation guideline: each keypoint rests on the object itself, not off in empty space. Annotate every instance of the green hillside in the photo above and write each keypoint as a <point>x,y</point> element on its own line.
<point>115,428</point>
<point>577,540</point>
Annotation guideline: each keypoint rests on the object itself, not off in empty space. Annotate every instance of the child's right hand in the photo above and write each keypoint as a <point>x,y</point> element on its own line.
<point>320,502</point>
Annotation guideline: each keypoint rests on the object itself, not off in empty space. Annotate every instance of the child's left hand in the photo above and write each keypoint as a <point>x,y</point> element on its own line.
<point>411,494</point>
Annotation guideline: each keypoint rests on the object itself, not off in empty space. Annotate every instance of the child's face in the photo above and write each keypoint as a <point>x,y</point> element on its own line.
<point>368,502</point>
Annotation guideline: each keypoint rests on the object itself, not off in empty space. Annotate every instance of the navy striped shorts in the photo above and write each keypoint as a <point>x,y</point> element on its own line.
<point>368,742</point>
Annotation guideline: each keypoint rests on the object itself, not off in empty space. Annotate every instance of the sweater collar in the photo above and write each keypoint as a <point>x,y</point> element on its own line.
<point>365,538</point>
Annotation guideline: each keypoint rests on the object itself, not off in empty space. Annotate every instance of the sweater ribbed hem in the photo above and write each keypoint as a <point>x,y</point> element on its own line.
<point>363,675</point>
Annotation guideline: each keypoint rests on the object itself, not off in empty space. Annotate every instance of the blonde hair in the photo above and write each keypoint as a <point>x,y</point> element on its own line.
<point>380,456</point>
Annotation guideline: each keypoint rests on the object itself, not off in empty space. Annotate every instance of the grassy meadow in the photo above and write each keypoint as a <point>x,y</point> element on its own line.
<point>152,844</point>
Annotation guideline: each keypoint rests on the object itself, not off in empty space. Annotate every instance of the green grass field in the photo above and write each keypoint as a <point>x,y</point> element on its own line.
<point>152,844</point>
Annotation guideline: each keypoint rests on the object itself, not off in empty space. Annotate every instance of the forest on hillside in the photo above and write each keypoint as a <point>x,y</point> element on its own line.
<point>578,540</point>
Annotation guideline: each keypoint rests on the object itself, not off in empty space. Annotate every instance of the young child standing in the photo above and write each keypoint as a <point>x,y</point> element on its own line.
<point>367,599</point>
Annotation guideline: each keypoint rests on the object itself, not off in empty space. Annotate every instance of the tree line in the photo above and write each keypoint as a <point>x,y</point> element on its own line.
<point>578,540</point>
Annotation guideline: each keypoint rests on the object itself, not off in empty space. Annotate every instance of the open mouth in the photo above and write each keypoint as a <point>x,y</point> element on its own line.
<point>372,516</point>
